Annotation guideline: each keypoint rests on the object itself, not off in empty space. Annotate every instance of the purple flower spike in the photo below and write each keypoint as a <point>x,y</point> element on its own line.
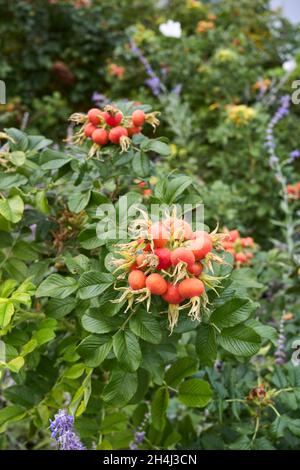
<point>295,154</point>
<point>280,356</point>
<point>62,430</point>
<point>153,82</point>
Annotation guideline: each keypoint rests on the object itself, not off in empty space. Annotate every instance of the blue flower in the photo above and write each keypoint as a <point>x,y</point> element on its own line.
<point>62,430</point>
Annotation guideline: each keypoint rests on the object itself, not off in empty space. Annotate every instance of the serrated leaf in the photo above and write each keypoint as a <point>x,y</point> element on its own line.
<point>94,322</point>
<point>195,393</point>
<point>183,367</point>
<point>94,349</point>
<point>127,350</point>
<point>240,340</point>
<point>206,345</point>
<point>159,407</point>
<point>145,326</point>
<point>120,388</point>
<point>93,283</point>
<point>57,286</point>
<point>52,159</point>
<point>232,312</point>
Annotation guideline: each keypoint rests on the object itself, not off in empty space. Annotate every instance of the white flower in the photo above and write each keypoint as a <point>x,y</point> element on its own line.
<point>289,65</point>
<point>171,29</point>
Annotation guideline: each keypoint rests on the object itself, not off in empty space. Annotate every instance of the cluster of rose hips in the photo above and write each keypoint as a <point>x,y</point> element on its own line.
<point>240,248</point>
<point>293,190</point>
<point>110,126</point>
<point>171,261</point>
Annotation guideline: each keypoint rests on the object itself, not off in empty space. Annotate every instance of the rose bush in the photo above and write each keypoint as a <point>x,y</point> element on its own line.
<point>103,334</point>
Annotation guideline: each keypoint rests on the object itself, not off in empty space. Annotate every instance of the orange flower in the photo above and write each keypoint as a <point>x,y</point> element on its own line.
<point>211,17</point>
<point>288,316</point>
<point>204,26</point>
<point>116,70</point>
<point>261,84</point>
<point>293,190</point>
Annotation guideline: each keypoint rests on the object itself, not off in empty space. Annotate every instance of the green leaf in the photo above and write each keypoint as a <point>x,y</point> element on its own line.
<point>57,286</point>
<point>232,312</point>
<point>12,209</point>
<point>89,240</point>
<point>6,312</point>
<point>120,388</point>
<point>11,180</point>
<point>159,407</point>
<point>240,340</point>
<point>176,187</point>
<point>93,283</point>
<point>41,202</point>
<point>145,326</point>
<point>10,414</point>
<point>25,251</point>
<point>182,368</point>
<point>94,349</point>
<point>16,269</point>
<point>52,159</point>
<point>20,139</point>
<point>195,393</point>
<point>157,146</point>
<point>18,158</point>
<point>127,350</point>
<point>58,308</point>
<point>264,331</point>
<point>141,164</point>
<point>95,321</point>
<point>78,201</point>
<point>75,371</point>
<point>206,345</point>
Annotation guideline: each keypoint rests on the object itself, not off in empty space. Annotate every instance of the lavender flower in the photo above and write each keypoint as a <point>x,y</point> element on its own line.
<point>62,430</point>
<point>140,433</point>
<point>177,89</point>
<point>281,112</point>
<point>153,82</point>
<point>154,85</point>
<point>294,155</point>
<point>280,356</point>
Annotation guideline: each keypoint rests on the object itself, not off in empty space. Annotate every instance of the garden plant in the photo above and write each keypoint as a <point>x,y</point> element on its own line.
<point>149,226</point>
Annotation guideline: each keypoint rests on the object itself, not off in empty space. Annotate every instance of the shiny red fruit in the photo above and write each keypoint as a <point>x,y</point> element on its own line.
<point>100,137</point>
<point>182,254</point>
<point>156,284</point>
<point>137,279</point>
<point>116,133</point>
<point>191,287</point>
<point>172,296</point>
<point>164,257</point>
<point>138,117</point>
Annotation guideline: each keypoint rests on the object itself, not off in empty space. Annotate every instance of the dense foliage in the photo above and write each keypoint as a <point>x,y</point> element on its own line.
<point>169,338</point>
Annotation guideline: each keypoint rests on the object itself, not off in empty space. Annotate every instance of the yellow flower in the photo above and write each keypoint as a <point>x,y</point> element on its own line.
<point>225,55</point>
<point>193,4</point>
<point>153,180</point>
<point>241,114</point>
<point>214,106</point>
